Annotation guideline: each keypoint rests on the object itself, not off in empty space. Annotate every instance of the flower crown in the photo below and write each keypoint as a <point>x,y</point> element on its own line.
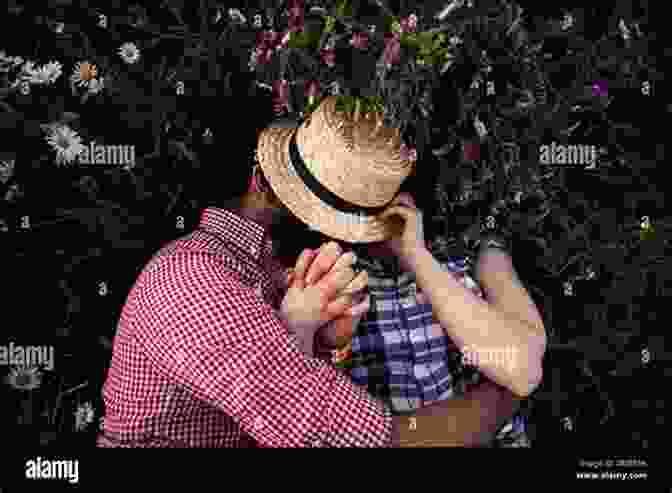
<point>397,65</point>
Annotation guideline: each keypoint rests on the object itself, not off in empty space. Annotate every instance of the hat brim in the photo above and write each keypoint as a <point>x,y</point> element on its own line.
<point>273,157</point>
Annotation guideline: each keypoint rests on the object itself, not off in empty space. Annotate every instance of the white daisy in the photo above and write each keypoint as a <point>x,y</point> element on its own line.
<point>24,378</point>
<point>28,68</point>
<point>480,128</point>
<point>83,416</point>
<point>567,22</point>
<point>455,40</point>
<point>66,142</point>
<point>129,52</point>
<point>96,85</point>
<point>46,74</point>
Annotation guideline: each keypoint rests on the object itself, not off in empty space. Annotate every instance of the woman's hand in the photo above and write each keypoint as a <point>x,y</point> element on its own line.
<point>410,237</point>
<point>338,333</point>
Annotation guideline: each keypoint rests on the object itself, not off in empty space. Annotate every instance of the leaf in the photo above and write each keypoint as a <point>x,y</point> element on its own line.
<point>344,9</point>
<point>301,40</point>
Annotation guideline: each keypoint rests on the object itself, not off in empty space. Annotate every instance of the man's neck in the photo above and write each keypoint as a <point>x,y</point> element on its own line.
<point>245,207</point>
<point>379,250</point>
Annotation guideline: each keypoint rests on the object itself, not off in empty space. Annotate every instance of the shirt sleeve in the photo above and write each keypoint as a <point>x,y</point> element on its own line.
<point>459,267</point>
<point>238,356</point>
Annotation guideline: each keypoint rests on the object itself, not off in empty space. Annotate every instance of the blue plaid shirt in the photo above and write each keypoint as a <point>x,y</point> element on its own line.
<point>403,356</point>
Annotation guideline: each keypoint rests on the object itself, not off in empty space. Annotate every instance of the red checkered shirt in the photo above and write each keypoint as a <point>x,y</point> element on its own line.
<point>201,359</point>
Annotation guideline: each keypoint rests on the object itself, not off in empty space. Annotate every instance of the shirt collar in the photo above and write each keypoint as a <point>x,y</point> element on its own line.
<point>382,267</point>
<point>244,234</point>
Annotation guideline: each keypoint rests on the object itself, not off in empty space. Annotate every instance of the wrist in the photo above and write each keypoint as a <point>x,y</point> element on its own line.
<point>323,342</point>
<point>415,257</point>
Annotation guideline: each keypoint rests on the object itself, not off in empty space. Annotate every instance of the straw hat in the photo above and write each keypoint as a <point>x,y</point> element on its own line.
<point>335,172</point>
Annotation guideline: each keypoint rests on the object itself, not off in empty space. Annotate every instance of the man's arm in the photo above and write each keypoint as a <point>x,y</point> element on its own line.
<point>468,421</point>
<point>232,351</point>
<point>471,420</point>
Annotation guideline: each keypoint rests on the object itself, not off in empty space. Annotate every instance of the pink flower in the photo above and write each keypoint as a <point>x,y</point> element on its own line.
<point>360,40</point>
<point>312,89</point>
<point>296,16</point>
<point>329,56</point>
<point>267,42</point>
<point>281,96</point>
<point>408,154</point>
<point>471,151</point>
<point>268,39</point>
<point>284,41</point>
<point>409,24</point>
<point>392,53</point>
<point>262,55</point>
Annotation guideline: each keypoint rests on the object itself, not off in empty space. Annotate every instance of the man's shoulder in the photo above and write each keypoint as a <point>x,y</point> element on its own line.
<point>182,267</point>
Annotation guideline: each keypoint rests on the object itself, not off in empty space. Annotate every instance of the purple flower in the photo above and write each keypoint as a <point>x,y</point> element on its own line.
<point>280,96</point>
<point>600,88</point>
<point>284,41</point>
<point>262,55</point>
<point>268,39</point>
<point>267,43</point>
<point>360,40</point>
<point>408,153</point>
<point>328,56</point>
<point>471,151</point>
<point>296,16</point>
<point>409,24</point>
<point>312,89</point>
<point>392,53</point>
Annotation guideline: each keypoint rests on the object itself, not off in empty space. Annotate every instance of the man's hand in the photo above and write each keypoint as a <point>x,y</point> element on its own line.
<point>307,307</point>
<point>338,332</point>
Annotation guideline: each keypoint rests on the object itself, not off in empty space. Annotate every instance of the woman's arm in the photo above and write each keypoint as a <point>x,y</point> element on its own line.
<point>507,349</point>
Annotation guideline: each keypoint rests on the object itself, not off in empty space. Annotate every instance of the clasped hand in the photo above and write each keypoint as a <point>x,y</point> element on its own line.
<point>326,297</point>
<point>324,292</point>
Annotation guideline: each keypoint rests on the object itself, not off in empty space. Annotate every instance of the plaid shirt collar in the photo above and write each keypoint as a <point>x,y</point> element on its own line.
<point>381,267</point>
<point>240,233</point>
